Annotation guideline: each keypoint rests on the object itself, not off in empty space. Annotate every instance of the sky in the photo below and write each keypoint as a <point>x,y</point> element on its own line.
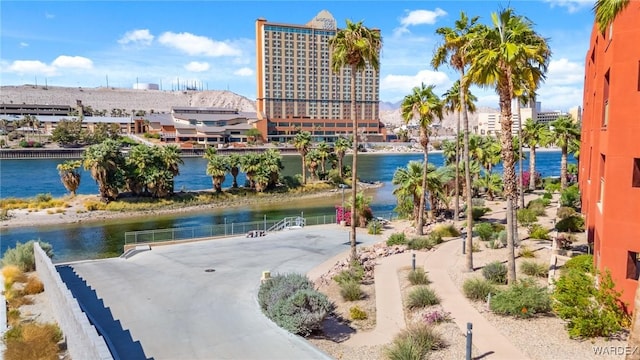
<point>212,43</point>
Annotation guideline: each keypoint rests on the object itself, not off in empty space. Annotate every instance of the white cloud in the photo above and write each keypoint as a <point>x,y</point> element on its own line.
<point>560,97</point>
<point>404,83</point>
<point>138,36</point>
<point>49,16</point>
<point>196,66</point>
<point>418,17</point>
<point>572,5</point>
<point>197,45</point>
<point>29,67</point>
<point>245,71</point>
<point>565,72</point>
<point>24,44</point>
<point>77,62</point>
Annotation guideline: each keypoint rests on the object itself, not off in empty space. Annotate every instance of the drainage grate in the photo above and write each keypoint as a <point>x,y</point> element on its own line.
<point>209,270</point>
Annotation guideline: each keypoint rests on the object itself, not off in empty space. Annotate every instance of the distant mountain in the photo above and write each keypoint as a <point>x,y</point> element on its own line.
<point>393,118</point>
<point>385,105</point>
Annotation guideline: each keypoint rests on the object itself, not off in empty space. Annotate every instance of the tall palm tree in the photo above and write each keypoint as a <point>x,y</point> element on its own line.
<point>217,167</point>
<point>69,175</point>
<point>271,161</point>
<point>508,47</point>
<point>355,47</point>
<point>564,132</point>
<point>234,168</point>
<point>452,104</point>
<point>426,106</point>
<point>302,143</point>
<point>535,134</point>
<point>454,50</point>
<point>409,181</point>
<point>340,147</point>
<point>172,161</point>
<point>323,151</point>
<point>105,161</point>
<point>313,159</point>
<point>250,165</point>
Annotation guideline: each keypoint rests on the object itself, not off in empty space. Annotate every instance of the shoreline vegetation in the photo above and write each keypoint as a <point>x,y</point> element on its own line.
<point>89,209</point>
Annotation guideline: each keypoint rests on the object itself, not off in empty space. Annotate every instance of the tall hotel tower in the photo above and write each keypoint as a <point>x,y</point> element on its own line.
<point>297,90</point>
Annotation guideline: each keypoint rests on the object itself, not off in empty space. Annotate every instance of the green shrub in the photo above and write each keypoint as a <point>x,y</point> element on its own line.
<point>526,217</point>
<point>422,296</point>
<point>477,202</point>
<point>565,212</point>
<point>496,272</point>
<point>435,238</point>
<point>478,212</point>
<point>397,239</point>
<point>350,291</point>
<point>414,343</point>
<point>494,244</point>
<point>570,197</point>
<point>44,197</point>
<point>374,227</point>
<point>537,206</point>
<point>552,185</point>
<point>484,231</point>
<point>292,303</point>
<point>418,277</point>
<point>548,196</point>
<point>421,243</point>
<point>584,263</point>
<point>571,224</point>
<point>537,231</point>
<point>357,314</point>
<point>22,255</point>
<point>478,289</point>
<point>533,268</point>
<point>523,299</point>
<point>590,311</point>
<point>526,252</point>
<point>502,236</point>
<point>447,230</point>
<point>497,227</point>
<point>355,273</point>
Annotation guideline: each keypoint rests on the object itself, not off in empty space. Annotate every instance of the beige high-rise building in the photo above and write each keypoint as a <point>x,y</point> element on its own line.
<point>298,91</point>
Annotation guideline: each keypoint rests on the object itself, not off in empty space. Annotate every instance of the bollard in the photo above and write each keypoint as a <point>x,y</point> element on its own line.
<point>489,300</point>
<point>463,245</point>
<point>413,261</point>
<point>469,340</point>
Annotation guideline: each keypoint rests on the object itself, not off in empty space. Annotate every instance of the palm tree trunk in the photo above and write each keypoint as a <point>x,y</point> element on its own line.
<point>354,165</point>
<point>563,168</point>
<point>467,177</point>
<point>340,158</point>
<point>532,168</point>
<point>456,209</point>
<point>520,186</point>
<point>511,256</point>
<point>420,222</point>
<point>304,169</point>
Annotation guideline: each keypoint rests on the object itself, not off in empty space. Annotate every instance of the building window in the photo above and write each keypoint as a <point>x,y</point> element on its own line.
<point>633,265</point>
<point>603,161</point>
<point>635,182</point>
<point>605,116</point>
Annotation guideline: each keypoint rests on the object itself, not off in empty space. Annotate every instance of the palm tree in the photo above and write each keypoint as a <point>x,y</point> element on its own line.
<point>323,152</point>
<point>450,152</point>
<point>172,161</point>
<point>607,10</point>
<point>302,142</point>
<point>105,160</point>
<point>313,159</point>
<point>234,168</point>
<point>217,168</point>
<point>340,147</point>
<point>271,161</point>
<point>250,165</point>
<point>355,47</point>
<point>452,104</point>
<point>69,175</point>
<point>491,183</point>
<point>508,47</point>
<point>454,50</point>
<point>564,132</point>
<point>534,134</point>
<point>409,181</point>
<point>426,106</point>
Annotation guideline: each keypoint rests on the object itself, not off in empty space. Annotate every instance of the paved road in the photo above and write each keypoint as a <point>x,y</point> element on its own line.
<point>179,311</point>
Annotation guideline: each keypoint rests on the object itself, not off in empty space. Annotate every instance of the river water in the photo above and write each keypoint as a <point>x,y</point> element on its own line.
<point>27,178</point>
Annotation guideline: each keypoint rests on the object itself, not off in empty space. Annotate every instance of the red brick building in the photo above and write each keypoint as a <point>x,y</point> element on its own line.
<point>609,169</point>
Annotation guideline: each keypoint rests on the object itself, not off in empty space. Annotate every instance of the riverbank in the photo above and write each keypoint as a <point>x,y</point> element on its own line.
<point>76,212</point>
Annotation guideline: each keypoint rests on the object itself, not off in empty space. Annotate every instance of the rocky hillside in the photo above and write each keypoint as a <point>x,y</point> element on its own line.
<point>393,117</point>
<point>111,98</point>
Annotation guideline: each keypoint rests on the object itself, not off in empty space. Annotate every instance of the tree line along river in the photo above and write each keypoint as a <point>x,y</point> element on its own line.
<point>27,178</point>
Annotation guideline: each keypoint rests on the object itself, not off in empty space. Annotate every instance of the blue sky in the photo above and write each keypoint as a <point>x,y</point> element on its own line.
<point>82,43</point>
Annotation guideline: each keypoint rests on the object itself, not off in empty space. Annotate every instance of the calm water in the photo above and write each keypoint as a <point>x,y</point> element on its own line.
<point>26,178</point>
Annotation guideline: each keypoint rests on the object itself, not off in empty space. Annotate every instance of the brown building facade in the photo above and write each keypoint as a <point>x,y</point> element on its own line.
<point>297,90</point>
<point>609,169</point>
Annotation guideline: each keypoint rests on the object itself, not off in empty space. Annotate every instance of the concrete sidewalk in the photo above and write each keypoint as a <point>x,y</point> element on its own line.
<point>487,339</point>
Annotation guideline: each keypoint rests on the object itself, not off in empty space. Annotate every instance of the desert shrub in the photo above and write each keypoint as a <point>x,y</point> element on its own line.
<point>33,286</point>
<point>526,216</point>
<point>570,197</point>
<point>523,299</point>
<point>565,212</point>
<point>92,205</point>
<point>13,317</point>
<point>281,287</point>
<point>475,247</point>
<point>11,274</point>
<point>43,197</point>
<point>350,291</point>
<point>374,227</point>
<point>484,231</point>
<point>22,255</point>
<point>478,289</point>
<point>494,244</point>
<point>526,252</point>
<point>571,224</point>
<point>447,230</point>
<point>552,185</point>
<point>496,272</point>
<point>533,268</point>
<point>436,317</point>
<point>435,238</point>
<point>584,263</point>
<point>421,243</point>
<point>418,277</point>
<point>502,236</point>
<point>537,206</point>
<point>477,202</point>
<point>414,343</point>
<point>547,195</point>
<point>355,273</point>
<point>478,212</point>
<point>422,296</point>
<point>537,231</point>
<point>590,311</point>
<point>357,314</point>
<point>397,239</point>
<point>32,341</point>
